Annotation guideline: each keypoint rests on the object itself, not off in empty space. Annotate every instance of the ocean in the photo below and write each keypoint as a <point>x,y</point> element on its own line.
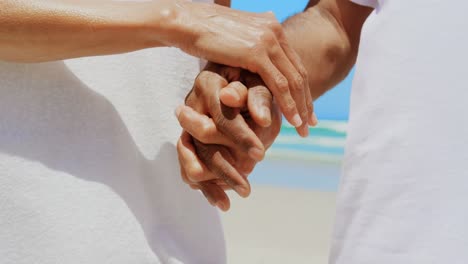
<point>305,163</point>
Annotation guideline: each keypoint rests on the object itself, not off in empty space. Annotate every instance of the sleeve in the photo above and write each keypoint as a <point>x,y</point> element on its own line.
<point>370,3</point>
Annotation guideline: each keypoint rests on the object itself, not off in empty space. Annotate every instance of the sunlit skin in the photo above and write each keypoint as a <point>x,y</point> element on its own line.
<point>249,119</point>
<point>47,30</point>
<point>326,36</point>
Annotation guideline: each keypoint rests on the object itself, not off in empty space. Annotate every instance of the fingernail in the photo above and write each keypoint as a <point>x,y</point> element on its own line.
<point>221,206</point>
<point>305,131</point>
<point>235,95</point>
<point>256,154</point>
<point>296,121</point>
<point>211,201</point>
<point>265,115</point>
<point>313,120</point>
<point>242,190</point>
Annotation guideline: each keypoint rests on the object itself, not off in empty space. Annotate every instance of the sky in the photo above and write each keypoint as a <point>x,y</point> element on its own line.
<point>335,104</point>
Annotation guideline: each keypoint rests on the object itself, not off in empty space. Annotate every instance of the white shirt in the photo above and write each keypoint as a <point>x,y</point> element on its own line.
<point>88,166</point>
<point>404,193</point>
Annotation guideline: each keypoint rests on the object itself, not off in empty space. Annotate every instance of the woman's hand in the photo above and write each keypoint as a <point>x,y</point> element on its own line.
<point>251,41</point>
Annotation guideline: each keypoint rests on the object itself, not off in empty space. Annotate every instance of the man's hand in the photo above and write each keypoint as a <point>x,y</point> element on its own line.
<point>232,119</point>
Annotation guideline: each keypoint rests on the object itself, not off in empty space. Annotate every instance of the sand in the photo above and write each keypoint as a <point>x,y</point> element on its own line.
<point>280,225</point>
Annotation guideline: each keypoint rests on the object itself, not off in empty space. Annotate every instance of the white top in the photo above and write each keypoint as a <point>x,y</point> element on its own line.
<point>88,166</point>
<point>404,193</point>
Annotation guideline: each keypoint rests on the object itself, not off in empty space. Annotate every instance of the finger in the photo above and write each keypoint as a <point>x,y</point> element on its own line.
<point>234,95</point>
<point>232,125</point>
<point>193,186</point>
<point>312,121</point>
<point>207,84</point>
<point>215,195</point>
<point>312,118</point>
<point>310,105</point>
<point>200,126</point>
<point>298,65</point>
<point>259,104</point>
<point>204,130</point>
<point>183,175</point>
<point>211,193</point>
<point>297,88</point>
<point>220,183</point>
<point>220,161</point>
<point>194,169</point>
<point>279,86</point>
<point>245,166</point>
<point>227,120</point>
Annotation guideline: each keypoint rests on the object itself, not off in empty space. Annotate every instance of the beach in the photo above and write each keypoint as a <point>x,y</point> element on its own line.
<point>279,225</point>
<point>289,216</point>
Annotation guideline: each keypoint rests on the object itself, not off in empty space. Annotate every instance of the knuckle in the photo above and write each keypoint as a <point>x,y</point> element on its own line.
<point>299,82</point>
<point>283,84</point>
<point>303,72</point>
<point>244,140</point>
<point>275,50</point>
<point>221,122</point>
<point>201,79</point>
<point>290,106</point>
<point>195,173</point>
<point>276,27</point>
<point>267,38</point>
<point>204,132</point>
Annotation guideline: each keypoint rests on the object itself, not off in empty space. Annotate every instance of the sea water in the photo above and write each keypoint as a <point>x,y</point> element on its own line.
<point>309,163</point>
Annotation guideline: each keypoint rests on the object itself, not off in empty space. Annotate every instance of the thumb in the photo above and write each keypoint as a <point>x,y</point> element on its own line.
<point>234,95</point>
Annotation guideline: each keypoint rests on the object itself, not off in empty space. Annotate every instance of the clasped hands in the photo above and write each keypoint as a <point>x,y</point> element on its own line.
<point>229,119</point>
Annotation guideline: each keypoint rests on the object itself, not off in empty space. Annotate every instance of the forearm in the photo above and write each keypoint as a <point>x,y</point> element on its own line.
<point>326,37</point>
<point>35,31</point>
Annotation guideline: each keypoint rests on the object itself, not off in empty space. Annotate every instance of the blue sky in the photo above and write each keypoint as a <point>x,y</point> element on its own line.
<point>335,104</point>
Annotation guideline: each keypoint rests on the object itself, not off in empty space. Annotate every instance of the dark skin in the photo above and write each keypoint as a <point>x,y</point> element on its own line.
<point>330,28</point>
<point>247,107</point>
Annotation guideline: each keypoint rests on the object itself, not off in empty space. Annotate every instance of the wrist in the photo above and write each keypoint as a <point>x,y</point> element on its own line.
<point>317,30</point>
<point>168,23</point>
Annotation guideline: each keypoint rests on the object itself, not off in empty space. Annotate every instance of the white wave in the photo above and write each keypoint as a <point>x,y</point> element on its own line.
<point>312,141</point>
<point>338,126</point>
<point>275,154</point>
